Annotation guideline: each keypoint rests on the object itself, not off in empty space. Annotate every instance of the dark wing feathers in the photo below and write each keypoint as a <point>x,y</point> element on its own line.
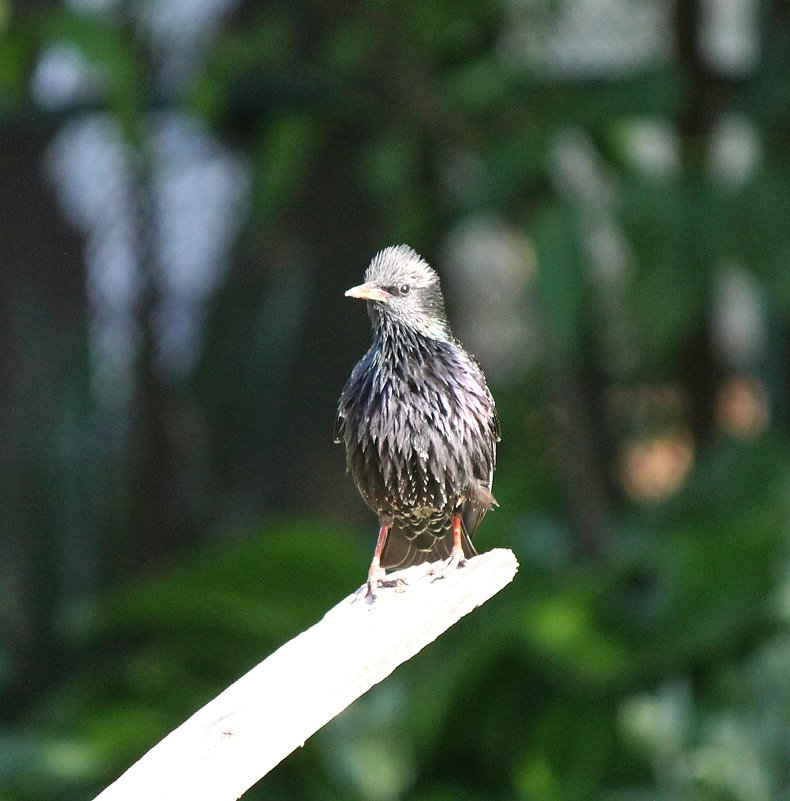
<point>403,550</point>
<point>422,436</point>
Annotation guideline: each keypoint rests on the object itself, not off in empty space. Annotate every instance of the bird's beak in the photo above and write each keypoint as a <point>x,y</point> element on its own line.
<point>368,291</point>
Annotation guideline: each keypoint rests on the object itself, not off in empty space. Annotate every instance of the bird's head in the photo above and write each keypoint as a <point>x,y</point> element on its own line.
<point>403,293</point>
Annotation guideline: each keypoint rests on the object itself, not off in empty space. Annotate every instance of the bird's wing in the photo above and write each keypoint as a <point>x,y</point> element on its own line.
<point>476,506</point>
<point>351,390</point>
<point>402,549</point>
<point>340,421</point>
<point>496,429</point>
<point>481,498</point>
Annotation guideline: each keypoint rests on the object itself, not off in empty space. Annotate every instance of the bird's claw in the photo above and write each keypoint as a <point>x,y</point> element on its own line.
<point>456,560</point>
<point>382,582</point>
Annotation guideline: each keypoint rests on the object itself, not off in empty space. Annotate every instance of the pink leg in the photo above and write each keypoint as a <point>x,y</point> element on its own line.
<point>457,558</point>
<point>376,572</point>
<point>377,575</point>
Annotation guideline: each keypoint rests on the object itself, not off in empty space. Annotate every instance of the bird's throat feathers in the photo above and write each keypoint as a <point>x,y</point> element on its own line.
<point>406,331</point>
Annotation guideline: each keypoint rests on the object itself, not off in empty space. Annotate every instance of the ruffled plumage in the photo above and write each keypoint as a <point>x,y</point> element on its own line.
<point>416,416</point>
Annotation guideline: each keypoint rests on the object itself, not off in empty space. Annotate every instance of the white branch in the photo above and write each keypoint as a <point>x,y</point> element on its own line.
<point>229,744</point>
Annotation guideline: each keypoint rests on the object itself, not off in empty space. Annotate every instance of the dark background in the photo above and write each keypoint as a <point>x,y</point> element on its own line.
<point>186,190</point>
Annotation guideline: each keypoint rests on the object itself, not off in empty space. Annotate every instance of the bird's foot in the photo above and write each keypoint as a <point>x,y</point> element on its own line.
<point>377,580</point>
<point>457,559</point>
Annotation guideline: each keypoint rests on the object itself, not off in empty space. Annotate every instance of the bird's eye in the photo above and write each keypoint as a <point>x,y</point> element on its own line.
<point>404,289</point>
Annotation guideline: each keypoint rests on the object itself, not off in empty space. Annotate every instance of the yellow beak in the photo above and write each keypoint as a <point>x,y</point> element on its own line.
<point>368,291</point>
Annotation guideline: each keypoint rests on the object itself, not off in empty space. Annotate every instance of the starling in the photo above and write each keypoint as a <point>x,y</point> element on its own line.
<point>418,421</point>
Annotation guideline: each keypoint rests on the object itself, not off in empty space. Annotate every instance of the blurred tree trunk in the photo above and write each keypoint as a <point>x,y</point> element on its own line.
<point>43,389</point>
<point>697,118</point>
<point>160,523</point>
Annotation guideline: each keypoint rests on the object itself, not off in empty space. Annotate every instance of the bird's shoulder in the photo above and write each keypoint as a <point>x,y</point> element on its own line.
<point>475,370</point>
<point>357,388</point>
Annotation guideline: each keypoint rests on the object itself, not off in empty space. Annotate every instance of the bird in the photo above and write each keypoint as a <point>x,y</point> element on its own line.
<point>418,422</point>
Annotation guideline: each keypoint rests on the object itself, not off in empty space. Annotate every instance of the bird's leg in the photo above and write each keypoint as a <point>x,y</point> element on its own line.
<point>457,558</point>
<point>377,576</point>
<point>376,573</point>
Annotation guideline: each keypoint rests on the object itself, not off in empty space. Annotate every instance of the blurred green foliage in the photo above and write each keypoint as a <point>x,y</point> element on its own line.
<point>643,651</point>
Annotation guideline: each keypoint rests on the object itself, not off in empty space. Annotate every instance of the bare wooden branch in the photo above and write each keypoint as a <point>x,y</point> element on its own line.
<point>233,741</point>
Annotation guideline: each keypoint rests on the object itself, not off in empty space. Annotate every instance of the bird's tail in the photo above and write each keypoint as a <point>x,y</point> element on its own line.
<point>404,549</point>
